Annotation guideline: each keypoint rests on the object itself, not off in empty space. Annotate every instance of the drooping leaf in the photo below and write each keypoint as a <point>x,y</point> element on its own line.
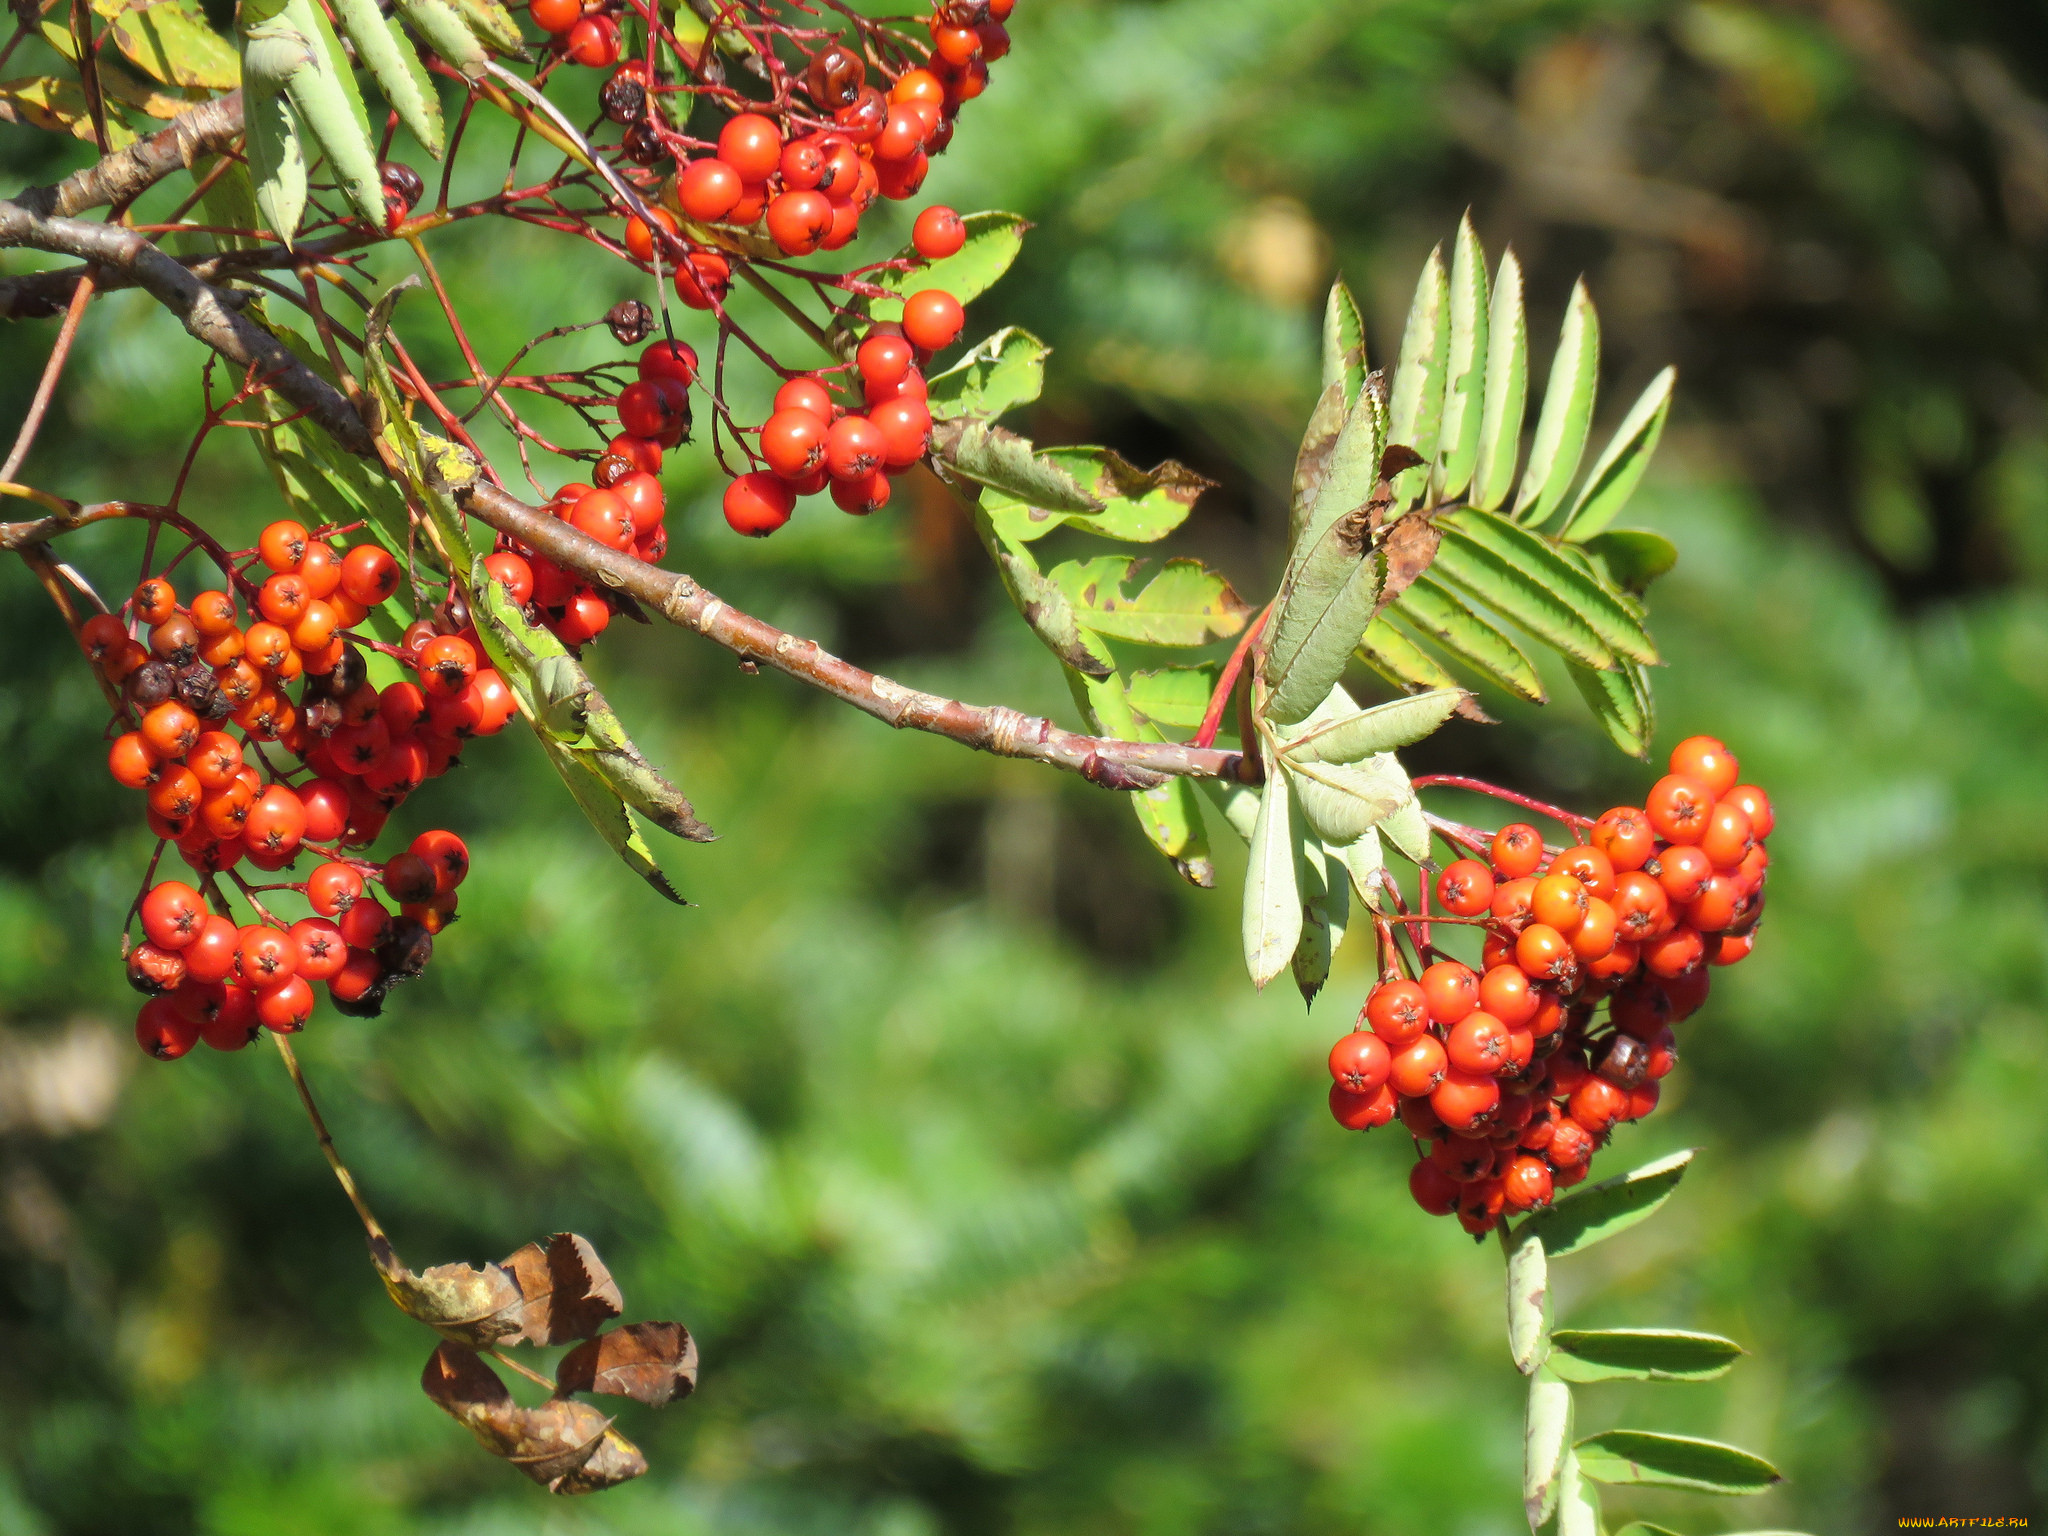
<point>1040,601</point>
<point>1312,461</point>
<point>1594,1212</point>
<point>1641,1354</point>
<point>277,160</point>
<point>1546,1447</point>
<point>1528,1286</point>
<point>1639,1456</point>
<point>1632,557</point>
<point>605,811</point>
<point>1567,413</point>
<point>1341,802</point>
<point>1383,728</point>
<point>1621,701</point>
<point>652,1363</point>
<point>1398,659</point>
<point>1343,343</point>
<point>1238,804</point>
<point>565,1290</point>
<point>547,1443</point>
<point>1507,390</point>
<point>1457,447</point>
<point>329,106</point>
<point>1325,913</point>
<point>999,373</point>
<point>1008,463</point>
<point>1415,406</point>
<point>1186,604</point>
<point>616,1460</point>
<point>993,241</point>
<point>384,51</point>
<point>474,1305</point>
<point>1168,813</point>
<point>1172,698</point>
<point>1450,621</point>
<point>1620,466</point>
<point>171,41</point>
<point>1272,894</point>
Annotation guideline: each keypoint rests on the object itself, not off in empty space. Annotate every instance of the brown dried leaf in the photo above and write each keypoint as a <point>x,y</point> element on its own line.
<point>568,1292</point>
<point>652,1363</point>
<point>1410,548</point>
<point>546,1443</point>
<point>616,1460</point>
<point>476,1306</point>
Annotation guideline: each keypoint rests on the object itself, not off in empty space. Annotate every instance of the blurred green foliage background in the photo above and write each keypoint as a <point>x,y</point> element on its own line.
<point>946,1119</point>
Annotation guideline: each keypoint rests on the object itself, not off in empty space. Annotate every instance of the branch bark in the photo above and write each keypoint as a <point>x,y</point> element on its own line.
<point>121,178</point>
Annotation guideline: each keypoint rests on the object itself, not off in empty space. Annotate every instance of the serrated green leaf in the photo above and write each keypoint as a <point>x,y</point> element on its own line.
<point>1407,829</point>
<point>1325,913</point>
<point>993,241</point>
<point>442,28</point>
<point>277,160</point>
<point>171,41</point>
<point>1343,343</point>
<point>1640,1354</point>
<point>1009,464</point>
<point>492,25</point>
<point>1619,469</point>
<point>999,373</point>
<point>1644,1458</point>
<point>1185,604</point>
<point>1341,802</point>
<point>1546,1446</point>
<point>1507,389</point>
<point>1457,449</point>
<point>1415,407</point>
<point>1595,1212</point>
<point>1383,728</point>
<point>1312,460</point>
<point>1172,698</point>
<point>383,50</point>
<point>1632,557</point>
<point>1399,659</point>
<point>1524,578</point>
<point>1621,701</point>
<point>1139,506</point>
<point>1272,897</point>
<point>1567,413</point>
<point>1451,622</point>
<point>1528,1286</point>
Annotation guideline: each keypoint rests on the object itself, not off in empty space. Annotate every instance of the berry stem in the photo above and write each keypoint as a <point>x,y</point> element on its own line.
<point>1556,813</point>
<point>347,1180</point>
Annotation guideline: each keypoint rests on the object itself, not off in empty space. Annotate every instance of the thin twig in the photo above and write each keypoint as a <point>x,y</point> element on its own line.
<point>341,1173</point>
<point>52,371</point>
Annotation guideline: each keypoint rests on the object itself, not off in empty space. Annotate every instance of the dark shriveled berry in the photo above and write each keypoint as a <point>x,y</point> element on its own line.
<point>402,182</point>
<point>150,684</point>
<point>624,98</point>
<point>611,468</point>
<point>631,322</point>
<point>406,950</point>
<point>834,76</point>
<point>642,145</point>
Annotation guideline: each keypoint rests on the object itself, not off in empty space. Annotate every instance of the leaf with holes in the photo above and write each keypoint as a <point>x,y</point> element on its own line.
<point>1644,1458</point>
<point>999,373</point>
<point>1185,604</point>
<point>1641,1354</point>
<point>1567,415</point>
<point>993,241</point>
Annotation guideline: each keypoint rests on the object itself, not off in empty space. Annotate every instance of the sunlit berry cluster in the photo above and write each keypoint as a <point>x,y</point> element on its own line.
<point>201,695</point>
<point>1516,1074</point>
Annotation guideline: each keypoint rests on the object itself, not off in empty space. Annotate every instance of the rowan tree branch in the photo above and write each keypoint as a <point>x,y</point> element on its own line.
<point>122,177</point>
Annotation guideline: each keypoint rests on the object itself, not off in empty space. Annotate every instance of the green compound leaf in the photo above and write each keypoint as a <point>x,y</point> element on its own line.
<point>1622,702</point>
<point>1640,1354</point>
<point>1272,892</point>
<point>493,26</point>
<point>1632,557</point>
<point>1383,728</point>
<point>1507,390</point>
<point>1007,463</point>
<point>1457,447</point>
<point>1528,1286</point>
<point>384,51</point>
<point>172,42</point>
<point>999,373</point>
<point>277,160</point>
<point>1567,413</point>
<point>1139,506</point>
<point>1341,802</point>
<point>1620,466</point>
<point>1186,604</point>
<point>1531,581</point>
<point>1399,659</point>
<point>330,107</point>
<point>1407,829</point>
<point>1595,1212</point>
<point>1343,343</point>
<point>1172,698</point>
<point>1643,1458</point>
<point>993,241</point>
<point>1416,406</point>
<point>1546,1446</point>
<point>1448,620</point>
<point>1237,804</point>
<point>442,28</point>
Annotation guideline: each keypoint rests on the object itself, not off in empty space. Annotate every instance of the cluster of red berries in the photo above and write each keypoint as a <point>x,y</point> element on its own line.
<point>188,677</point>
<point>1516,1074</point>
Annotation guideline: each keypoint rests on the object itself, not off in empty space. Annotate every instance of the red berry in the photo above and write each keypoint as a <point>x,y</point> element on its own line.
<point>1465,1101</point>
<point>164,1032</point>
<point>1362,1111</point>
<point>1641,909</point>
<point>793,442</point>
<point>1683,872</point>
<point>798,222</point>
<point>1544,953</point>
<point>1756,805</point>
<point>1418,1067</point>
<point>448,662</point>
<point>511,572</point>
<point>1434,1190</point>
<point>593,42</point>
<point>860,497</point>
<point>333,888</point>
<point>556,16</point>
<point>758,503</point>
<point>1465,888</point>
<point>1728,838</point>
<point>932,319</point>
<point>1398,1012</point>
<point>1505,992</point>
<point>1477,1043</point>
<point>806,393</point>
<point>1526,1185</point>
<point>1707,760</point>
<point>1452,990</point>
<point>884,360</point>
<point>276,823</point>
<point>265,956</point>
<point>703,279</point>
<point>1571,1144</point>
<point>938,233</point>
<point>666,360</point>
<point>285,1007</point>
<point>1360,1062</point>
<point>322,950</point>
<point>853,448</point>
<point>709,189</point>
<point>172,914</point>
<point>906,428</point>
<point>658,408</point>
<point>1677,807</point>
<point>1675,953</point>
<point>752,145</point>
<point>602,515</point>
<point>1462,1158</point>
